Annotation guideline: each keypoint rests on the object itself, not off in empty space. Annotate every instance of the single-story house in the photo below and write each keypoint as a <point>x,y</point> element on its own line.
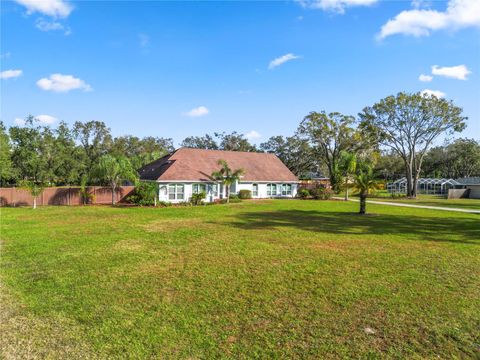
<point>187,171</point>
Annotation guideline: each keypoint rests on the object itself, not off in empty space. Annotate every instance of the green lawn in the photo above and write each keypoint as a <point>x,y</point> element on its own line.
<point>270,279</point>
<point>435,200</point>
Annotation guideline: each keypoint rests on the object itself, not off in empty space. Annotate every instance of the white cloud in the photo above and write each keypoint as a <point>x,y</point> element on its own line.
<point>197,112</point>
<point>282,60</point>
<point>459,14</point>
<point>62,83</point>
<point>425,78</point>
<point>419,4</point>
<point>337,6</point>
<point>251,135</point>
<point>45,25</point>
<point>46,119</point>
<point>19,122</point>
<point>9,74</point>
<point>437,93</point>
<point>54,8</point>
<point>459,72</point>
<point>42,119</point>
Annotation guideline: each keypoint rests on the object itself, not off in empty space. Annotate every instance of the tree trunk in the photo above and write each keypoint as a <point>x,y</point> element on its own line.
<point>34,202</point>
<point>408,173</point>
<point>227,193</point>
<point>346,189</point>
<point>414,186</point>
<point>363,203</point>
<point>113,195</point>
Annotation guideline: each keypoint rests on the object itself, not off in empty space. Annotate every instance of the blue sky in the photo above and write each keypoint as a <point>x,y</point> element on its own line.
<point>174,69</point>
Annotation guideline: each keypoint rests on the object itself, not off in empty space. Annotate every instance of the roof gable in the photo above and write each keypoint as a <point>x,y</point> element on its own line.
<point>187,164</point>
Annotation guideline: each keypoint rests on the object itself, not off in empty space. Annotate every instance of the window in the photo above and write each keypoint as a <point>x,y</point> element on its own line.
<point>271,189</point>
<point>176,192</point>
<point>198,188</point>
<point>255,190</point>
<point>286,189</point>
<point>213,188</point>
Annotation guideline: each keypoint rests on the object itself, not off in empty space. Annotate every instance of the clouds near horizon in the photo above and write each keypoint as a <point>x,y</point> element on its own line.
<point>197,112</point>
<point>459,72</point>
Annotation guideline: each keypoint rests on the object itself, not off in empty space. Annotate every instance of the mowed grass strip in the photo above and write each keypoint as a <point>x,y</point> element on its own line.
<point>269,279</point>
<point>435,200</point>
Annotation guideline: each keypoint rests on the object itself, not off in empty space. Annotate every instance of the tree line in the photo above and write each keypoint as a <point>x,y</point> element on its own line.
<point>396,134</point>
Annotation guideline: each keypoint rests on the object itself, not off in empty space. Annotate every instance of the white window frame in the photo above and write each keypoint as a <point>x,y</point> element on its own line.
<point>213,188</point>
<point>270,189</point>
<point>197,188</point>
<point>286,189</point>
<point>255,190</point>
<point>176,193</point>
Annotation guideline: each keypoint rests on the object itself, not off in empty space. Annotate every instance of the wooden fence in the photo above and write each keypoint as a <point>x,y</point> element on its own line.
<point>66,195</point>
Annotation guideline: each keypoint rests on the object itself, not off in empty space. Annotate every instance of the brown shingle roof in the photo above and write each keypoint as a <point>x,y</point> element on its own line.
<point>187,164</point>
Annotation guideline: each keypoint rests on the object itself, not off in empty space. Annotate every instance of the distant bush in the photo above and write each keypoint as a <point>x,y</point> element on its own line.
<point>245,194</point>
<point>197,199</point>
<point>303,194</point>
<point>321,193</point>
<point>233,197</point>
<point>144,194</point>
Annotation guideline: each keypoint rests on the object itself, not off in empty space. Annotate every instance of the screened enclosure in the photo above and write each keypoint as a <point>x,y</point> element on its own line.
<point>424,186</point>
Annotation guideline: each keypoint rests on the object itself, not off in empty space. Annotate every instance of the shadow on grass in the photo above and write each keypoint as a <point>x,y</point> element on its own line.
<point>445,229</point>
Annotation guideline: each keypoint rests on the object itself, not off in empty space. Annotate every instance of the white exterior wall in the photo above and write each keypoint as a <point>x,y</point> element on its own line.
<point>188,190</point>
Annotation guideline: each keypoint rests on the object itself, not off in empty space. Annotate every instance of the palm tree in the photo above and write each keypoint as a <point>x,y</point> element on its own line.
<point>34,188</point>
<point>113,171</point>
<point>227,176</point>
<point>347,166</point>
<point>364,182</point>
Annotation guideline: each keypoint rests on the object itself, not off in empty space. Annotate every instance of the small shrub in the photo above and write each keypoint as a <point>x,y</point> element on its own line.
<point>245,194</point>
<point>197,199</point>
<point>144,194</point>
<point>233,196</point>
<point>321,193</point>
<point>233,200</point>
<point>303,194</point>
<point>184,203</point>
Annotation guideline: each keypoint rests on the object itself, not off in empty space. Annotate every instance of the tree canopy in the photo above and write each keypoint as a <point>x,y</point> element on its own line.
<point>408,124</point>
<point>329,135</point>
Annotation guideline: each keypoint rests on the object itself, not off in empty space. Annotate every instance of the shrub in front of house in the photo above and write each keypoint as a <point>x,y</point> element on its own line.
<point>197,199</point>
<point>144,194</point>
<point>245,194</point>
<point>321,193</point>
<point>233,200</point>
<point>303,194</point>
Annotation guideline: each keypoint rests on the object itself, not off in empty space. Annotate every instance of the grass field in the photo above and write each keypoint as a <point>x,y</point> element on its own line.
<point>270,279</point>
<point>436,200</point>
